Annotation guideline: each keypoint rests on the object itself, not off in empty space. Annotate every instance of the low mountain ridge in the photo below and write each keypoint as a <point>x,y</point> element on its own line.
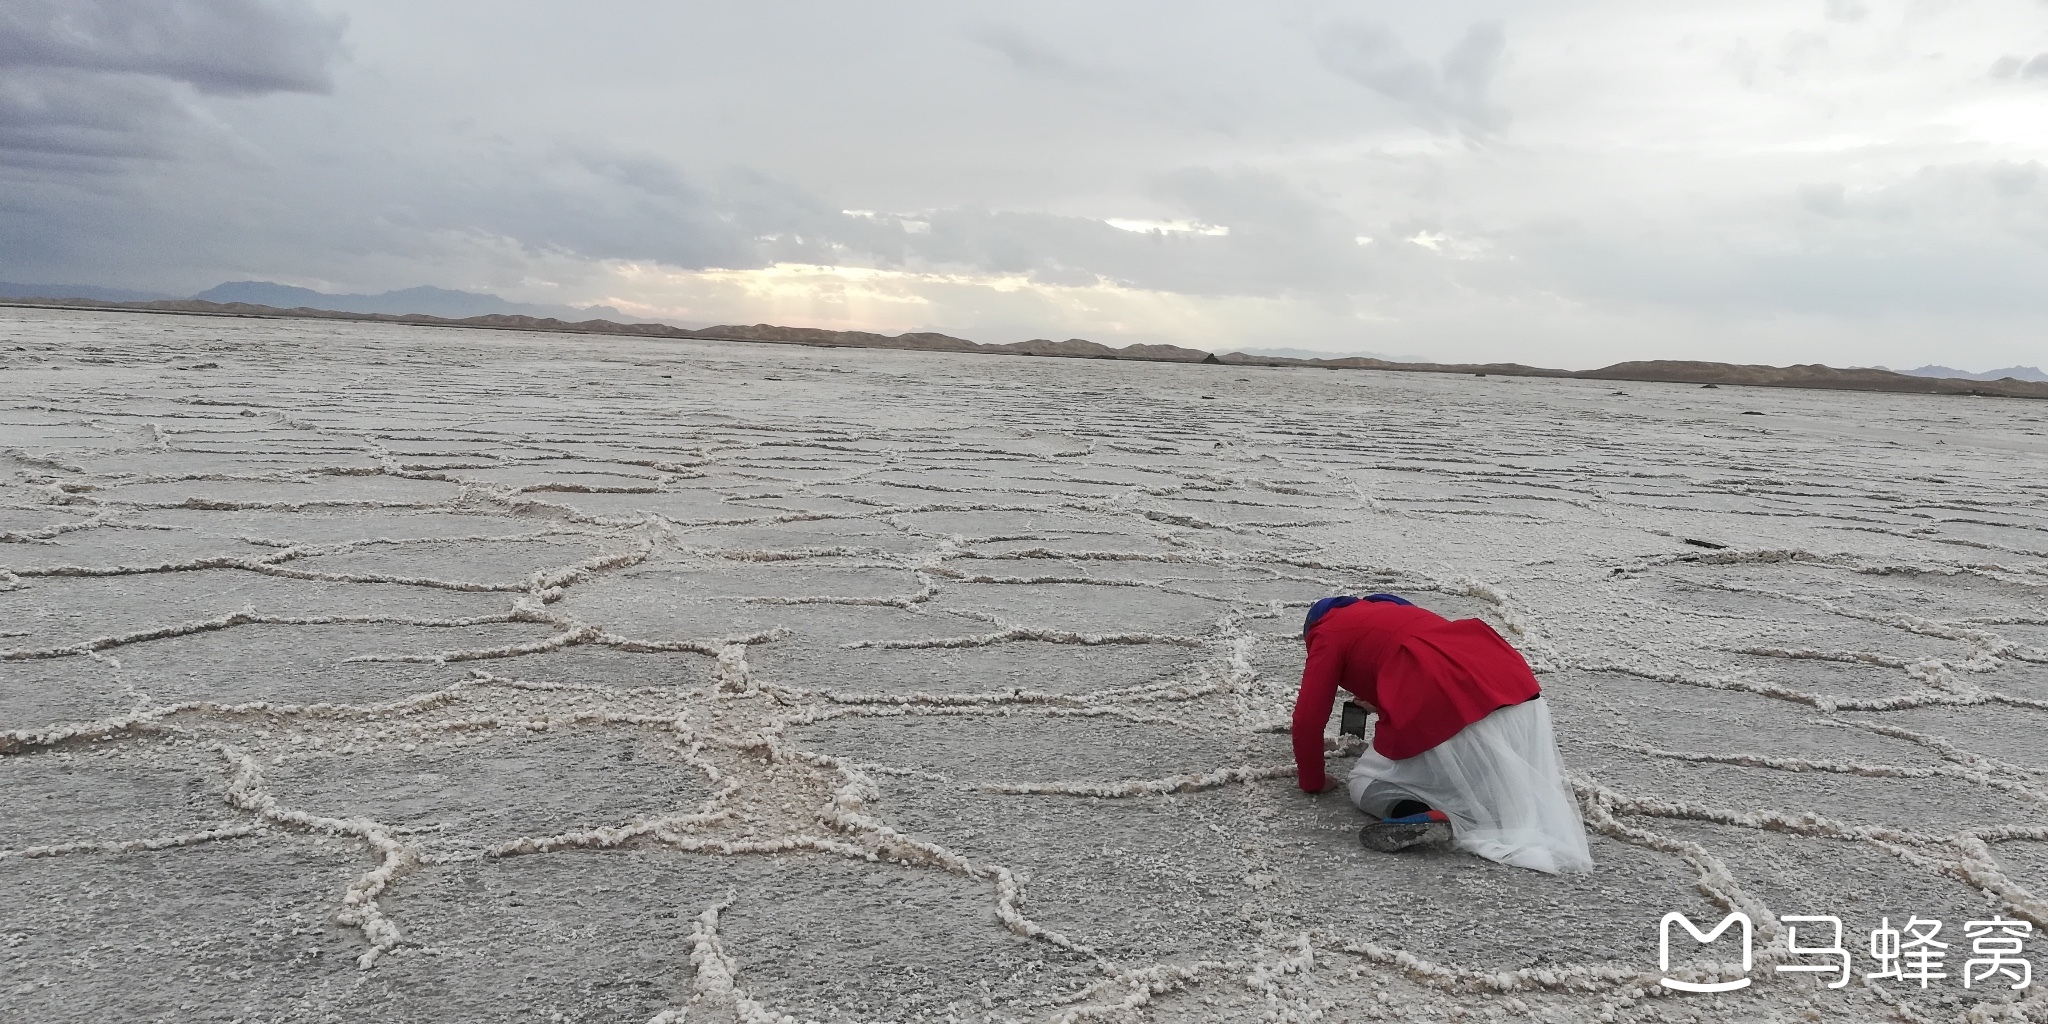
<point>2014,372</point>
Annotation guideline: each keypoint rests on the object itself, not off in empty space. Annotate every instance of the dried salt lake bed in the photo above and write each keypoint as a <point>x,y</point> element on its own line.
<point>372,672</point>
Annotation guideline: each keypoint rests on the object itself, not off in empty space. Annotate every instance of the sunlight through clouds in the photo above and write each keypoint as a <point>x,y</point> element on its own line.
<point>1166,227</point>
<point>858,298</point>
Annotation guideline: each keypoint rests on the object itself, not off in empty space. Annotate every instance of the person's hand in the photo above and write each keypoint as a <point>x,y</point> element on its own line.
<point>1330,783</point>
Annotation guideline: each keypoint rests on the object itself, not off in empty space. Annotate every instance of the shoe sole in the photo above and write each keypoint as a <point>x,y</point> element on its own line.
<point>1387,837</point>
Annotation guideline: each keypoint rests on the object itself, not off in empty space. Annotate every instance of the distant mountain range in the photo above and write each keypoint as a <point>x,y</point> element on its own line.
<point>2015,372</point>
<point>424,300</point>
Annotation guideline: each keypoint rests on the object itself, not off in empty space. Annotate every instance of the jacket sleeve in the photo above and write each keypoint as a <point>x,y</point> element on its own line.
<point>1319,678</point>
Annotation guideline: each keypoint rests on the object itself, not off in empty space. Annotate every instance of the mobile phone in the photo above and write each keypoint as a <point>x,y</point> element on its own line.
<point>1354,719</point>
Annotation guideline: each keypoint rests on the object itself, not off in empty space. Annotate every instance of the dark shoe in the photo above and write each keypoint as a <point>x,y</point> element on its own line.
<point>1406,808</point>
<point>1430,828</point>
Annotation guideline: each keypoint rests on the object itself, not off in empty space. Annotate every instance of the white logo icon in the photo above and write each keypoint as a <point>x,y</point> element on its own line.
<point>1664,951</point>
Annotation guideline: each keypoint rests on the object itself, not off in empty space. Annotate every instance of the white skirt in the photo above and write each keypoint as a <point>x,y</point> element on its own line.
<point>1498,780</point>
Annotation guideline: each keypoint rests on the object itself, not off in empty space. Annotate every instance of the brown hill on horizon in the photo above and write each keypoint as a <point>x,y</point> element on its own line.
<point>1811,375</point>
<point>1681,371</point>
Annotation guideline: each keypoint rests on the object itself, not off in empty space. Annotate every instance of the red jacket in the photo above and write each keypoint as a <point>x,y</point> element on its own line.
<point>1429,676</point>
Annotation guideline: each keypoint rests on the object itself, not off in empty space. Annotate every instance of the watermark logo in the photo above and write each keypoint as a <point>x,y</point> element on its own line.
<point>1912,953</point>
<point>1664,951</point>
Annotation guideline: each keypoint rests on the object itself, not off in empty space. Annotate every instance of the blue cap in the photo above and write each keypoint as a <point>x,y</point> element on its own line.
<point>1324,607</point>
<point>1330,604</point>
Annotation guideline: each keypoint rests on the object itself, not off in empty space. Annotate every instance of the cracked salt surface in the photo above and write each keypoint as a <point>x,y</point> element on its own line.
<point>557,677</point>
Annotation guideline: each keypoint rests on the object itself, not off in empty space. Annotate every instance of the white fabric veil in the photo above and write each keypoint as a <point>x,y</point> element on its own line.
<point>1500,783</point>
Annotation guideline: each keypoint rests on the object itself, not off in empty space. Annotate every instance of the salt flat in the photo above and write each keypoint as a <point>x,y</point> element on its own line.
<point>391,673</point>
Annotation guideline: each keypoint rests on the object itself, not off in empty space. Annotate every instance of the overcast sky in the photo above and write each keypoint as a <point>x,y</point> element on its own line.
<point>1855,182</point>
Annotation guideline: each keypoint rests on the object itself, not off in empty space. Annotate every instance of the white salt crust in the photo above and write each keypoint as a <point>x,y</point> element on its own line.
<point>1943,560</point>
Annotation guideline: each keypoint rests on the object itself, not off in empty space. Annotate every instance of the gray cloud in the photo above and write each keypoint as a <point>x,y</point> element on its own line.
<point>70,120</point>
<point>1451,93</point>
<point>1847,10</point>
<point>1032,55</point>
<point>1960,240</point>
<point>1828,200</point>
<point>86,84</point>
<point>232,47</point>
<point>2011,66</point>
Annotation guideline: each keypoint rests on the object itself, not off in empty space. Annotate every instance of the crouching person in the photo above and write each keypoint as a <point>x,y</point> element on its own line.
<point>1462,752</point>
